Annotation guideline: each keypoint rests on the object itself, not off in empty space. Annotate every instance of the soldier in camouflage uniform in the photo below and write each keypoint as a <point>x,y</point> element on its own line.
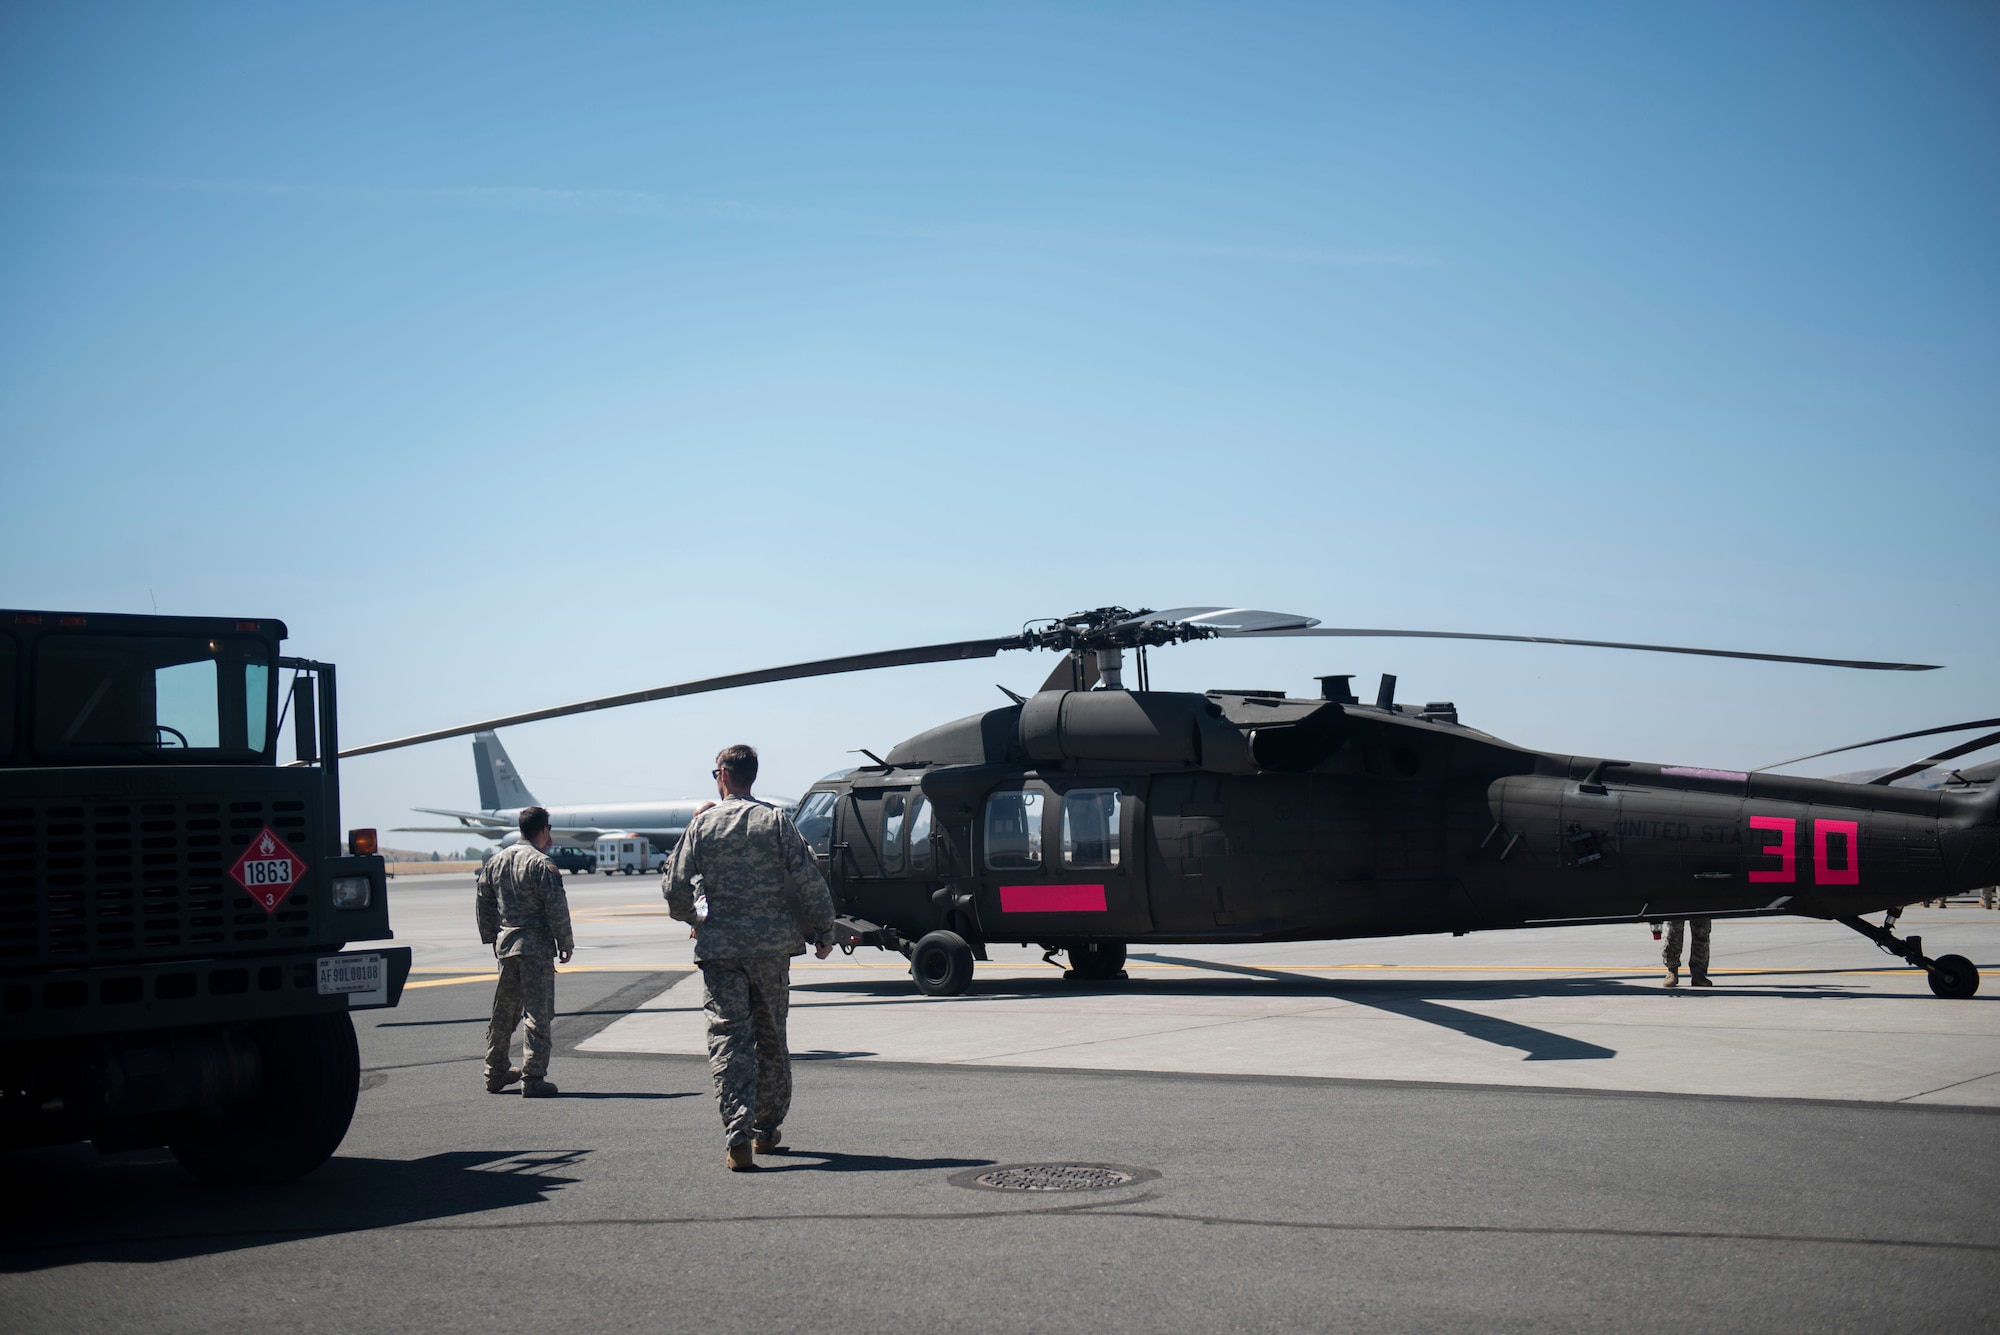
<point>524,916</point>
<point>1670,955</point>
<point>765,898</point>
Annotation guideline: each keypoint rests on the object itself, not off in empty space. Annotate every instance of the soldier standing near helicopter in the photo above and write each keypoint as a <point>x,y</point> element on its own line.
<point>1697,954</point>
<point>765,897</point>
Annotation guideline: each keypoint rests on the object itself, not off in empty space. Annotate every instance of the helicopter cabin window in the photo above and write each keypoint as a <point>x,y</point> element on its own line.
<point>1014,831</point>
<point>815,821</point>
<point>920,837</point>
<point>1090,827</point>
<point>894,809</point>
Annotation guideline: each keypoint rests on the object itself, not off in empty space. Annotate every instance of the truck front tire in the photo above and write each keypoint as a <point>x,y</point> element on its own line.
<point>311,1079</point>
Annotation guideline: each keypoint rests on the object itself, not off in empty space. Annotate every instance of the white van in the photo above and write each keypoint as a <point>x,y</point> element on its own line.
<point>621,850</point>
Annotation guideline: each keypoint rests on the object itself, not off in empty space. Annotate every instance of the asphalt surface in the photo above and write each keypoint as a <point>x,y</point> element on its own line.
<point>1279,1202</point>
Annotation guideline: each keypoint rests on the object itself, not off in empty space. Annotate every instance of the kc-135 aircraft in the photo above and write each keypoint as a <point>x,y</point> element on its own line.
<point>502,795</point>
<point>1089,817</point>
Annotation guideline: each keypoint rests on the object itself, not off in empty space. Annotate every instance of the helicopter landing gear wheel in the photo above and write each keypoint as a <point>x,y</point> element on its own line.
<point>1098,962</point>
<point>1954,976</point>
<point>941,965</point>
<point>1951,976</point>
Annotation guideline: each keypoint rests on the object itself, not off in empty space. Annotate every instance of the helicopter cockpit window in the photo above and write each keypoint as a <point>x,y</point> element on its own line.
<point>920,837</point>
<point>1090,827</point>
<point>815,821</point>
<point>894,808</point>
<point>1014,831</point>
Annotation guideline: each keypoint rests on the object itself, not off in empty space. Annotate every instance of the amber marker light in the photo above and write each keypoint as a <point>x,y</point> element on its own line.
<point>361,842</point>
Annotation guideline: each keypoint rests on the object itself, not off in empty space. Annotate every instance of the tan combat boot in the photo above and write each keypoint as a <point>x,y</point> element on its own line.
<point>739,1157</point>
<point>1673,978</point>
<point>497,1082</point>
<point>767,1141</point>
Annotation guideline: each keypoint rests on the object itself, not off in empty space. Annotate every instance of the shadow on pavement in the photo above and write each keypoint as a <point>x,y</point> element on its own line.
<point>788,1160</point>
<point>1252,982</point>
<point>594,1094</point>
<point>1416,999</point>
<point>66,1205</point>
<point>482,1020</point>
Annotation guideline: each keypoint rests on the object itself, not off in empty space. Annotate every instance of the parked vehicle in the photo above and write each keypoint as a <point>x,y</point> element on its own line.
<point>574,859</point>
<point>177,902</point>
<point>622,850</point>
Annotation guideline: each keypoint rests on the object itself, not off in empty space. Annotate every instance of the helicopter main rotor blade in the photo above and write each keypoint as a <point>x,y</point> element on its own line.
<point>825,667</point>
<point>1949,753</point>
<point>1345,632</point>
<point>1899,737</point>
<point>1228,620</point>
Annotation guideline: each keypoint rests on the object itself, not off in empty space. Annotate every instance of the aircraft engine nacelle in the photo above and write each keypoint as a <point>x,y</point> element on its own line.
<point>1153,728</point>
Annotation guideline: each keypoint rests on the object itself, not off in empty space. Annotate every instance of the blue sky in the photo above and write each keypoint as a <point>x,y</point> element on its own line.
<point>520,354</point>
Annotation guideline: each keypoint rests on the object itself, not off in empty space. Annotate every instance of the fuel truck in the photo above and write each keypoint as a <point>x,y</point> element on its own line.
<point>175,901</point>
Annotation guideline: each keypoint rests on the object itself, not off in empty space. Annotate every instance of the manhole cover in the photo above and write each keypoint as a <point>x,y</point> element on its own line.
<point>1053,1177</point>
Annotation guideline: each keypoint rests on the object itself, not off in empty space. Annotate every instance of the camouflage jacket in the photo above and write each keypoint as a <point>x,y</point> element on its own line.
<point>765,893</point>
<point>522,906</point>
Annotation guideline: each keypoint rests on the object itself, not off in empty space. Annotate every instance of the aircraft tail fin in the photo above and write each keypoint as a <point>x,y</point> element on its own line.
<point>500,786</point>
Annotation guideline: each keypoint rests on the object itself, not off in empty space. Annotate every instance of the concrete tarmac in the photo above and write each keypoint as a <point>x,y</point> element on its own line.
<point>1421,1134</point>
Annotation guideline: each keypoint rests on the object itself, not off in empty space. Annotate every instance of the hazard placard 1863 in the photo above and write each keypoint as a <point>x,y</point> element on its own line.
<point>268,870</point>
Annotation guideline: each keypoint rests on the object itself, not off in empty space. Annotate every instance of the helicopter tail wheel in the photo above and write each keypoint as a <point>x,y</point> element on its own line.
<point>1953,976</point>
<point>941,965</point>
<point>1098,962</point>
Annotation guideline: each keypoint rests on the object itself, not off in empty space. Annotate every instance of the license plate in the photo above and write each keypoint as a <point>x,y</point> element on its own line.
<point>363,979</point>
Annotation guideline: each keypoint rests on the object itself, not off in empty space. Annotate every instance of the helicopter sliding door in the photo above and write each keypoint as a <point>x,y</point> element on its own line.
<point>884,859</point>
<point>1059,864</point>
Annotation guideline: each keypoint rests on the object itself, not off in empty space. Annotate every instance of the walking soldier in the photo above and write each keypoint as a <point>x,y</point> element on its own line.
<point>764,899</point>
<point>524,916</point>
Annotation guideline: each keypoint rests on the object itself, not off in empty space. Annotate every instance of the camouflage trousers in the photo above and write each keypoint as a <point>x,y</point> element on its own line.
<point>746,1001</point>
<point>527,987</point>
<point>1697,949</point>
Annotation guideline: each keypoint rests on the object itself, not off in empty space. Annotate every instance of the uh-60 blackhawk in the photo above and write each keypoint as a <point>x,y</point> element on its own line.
<point>1089,816</point>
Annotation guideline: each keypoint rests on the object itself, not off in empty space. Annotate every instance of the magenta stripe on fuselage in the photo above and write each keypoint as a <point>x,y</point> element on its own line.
<point>1052,899</point>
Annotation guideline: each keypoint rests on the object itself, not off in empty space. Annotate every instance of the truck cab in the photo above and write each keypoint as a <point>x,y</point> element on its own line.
<point>174,900</point>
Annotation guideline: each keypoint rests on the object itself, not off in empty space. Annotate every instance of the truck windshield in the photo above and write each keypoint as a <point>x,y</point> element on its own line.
<point>116,699</point>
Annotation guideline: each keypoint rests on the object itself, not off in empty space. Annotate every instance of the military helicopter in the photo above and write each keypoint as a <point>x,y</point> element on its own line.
<point>1091,816</point>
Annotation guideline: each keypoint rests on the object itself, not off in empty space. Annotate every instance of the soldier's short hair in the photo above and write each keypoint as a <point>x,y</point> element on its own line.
<point>740,761</point>
<point>533,821</point>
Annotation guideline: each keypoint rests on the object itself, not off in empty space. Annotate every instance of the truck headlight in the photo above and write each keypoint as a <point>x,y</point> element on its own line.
<point>351,892</point>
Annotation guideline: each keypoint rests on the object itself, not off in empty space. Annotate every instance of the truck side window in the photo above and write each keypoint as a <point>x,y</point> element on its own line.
<point>893,811</point>
<point>1014,831</point>
<point>815,821</point>
<point>920,837</point>
<point>1090,827</point>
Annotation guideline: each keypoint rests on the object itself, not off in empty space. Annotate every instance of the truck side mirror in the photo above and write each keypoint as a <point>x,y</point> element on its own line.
<point>305,720</point>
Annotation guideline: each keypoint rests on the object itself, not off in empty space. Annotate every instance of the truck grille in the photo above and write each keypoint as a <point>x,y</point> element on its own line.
<point>120,880</point>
